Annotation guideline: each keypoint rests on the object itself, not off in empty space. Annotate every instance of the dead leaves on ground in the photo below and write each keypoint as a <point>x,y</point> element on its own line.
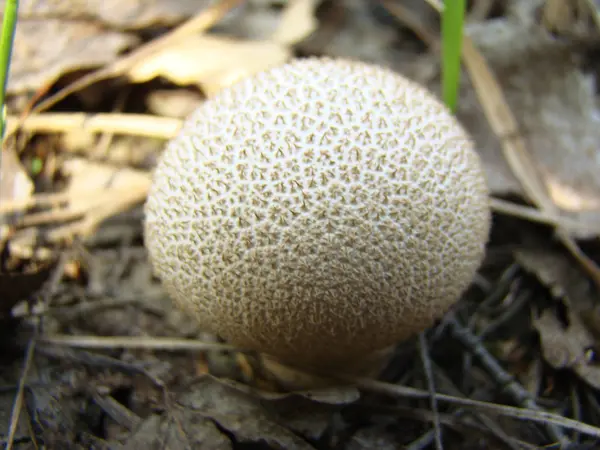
<point>208,411</point>
<point>104,170</point>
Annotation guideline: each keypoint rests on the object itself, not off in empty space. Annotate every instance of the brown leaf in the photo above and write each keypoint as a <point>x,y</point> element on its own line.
<point>208,402</point>
<point>567,347</point>
<point>556,271</point>
<point>181,429</point>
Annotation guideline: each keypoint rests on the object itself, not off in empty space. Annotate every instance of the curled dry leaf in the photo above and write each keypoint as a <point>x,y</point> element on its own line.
<point>45,49</point>
<point>210,61</point>
<point>128,14</point>
<point>556,271</point>
<point>565,345</point>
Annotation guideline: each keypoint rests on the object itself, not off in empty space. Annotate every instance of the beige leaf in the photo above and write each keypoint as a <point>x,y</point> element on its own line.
<point>297,22</point>
<point>15,183</point>
<point>212,62</point>
<point>95,179</point>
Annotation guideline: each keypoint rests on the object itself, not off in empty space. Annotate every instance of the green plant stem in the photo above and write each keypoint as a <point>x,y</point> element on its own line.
<point>9,24</point>
<point>452,34</point>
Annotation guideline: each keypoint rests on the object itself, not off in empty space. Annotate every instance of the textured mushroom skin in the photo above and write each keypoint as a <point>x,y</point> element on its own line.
<point>318,211</point>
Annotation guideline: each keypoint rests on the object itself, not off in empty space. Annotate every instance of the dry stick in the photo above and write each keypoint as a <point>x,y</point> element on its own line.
<point>201,22</point>
<point>506,381</point>
<point>484,418</point>
<point>154,343</point>
<point>539,216</point>
<point>117,411</point>
<point>144,125</point>
<point>537,416</point>
<point>18,402</point>
<point>431,388</point>
<point>454,421</point>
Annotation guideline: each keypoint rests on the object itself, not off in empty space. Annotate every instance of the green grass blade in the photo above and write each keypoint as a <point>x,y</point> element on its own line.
<point>452,33</point>
<point>9,24</point>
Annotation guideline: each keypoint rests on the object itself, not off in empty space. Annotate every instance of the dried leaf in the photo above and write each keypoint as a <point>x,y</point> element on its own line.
<point>180,429</point>
<point>15,184</point>
<point>128,14</point>
<point>240,414</point>
<point>556,271</point>
<point>213,62</point>
<point>567,347</point>
<point>88,177</point>
<point>554,105</point>
<point>45,49</point>
<point>298,21</point>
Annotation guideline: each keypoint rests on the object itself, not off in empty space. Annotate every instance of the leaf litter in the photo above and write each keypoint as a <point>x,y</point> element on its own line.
<point>113,351</point>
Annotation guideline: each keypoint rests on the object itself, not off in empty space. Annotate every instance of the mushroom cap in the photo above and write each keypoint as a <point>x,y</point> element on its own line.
<point>318,211</point>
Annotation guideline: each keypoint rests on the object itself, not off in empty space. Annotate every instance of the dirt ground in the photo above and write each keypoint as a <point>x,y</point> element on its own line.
<point>95,355</point>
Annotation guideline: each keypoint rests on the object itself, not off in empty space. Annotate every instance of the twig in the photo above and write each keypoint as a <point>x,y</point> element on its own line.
<point>426,360</point>
<point>154,343</point>
<point>144,125</point>
<point>509,411</point>
<point>503,378</point>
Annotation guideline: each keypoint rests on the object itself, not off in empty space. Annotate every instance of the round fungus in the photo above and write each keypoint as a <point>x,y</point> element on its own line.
<point>318,212</point>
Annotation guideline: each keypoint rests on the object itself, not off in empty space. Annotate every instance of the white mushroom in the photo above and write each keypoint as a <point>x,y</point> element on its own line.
<point>318,212</point>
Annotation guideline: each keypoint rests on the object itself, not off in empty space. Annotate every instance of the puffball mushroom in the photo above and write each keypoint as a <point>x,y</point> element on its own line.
<point>318,213</point>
